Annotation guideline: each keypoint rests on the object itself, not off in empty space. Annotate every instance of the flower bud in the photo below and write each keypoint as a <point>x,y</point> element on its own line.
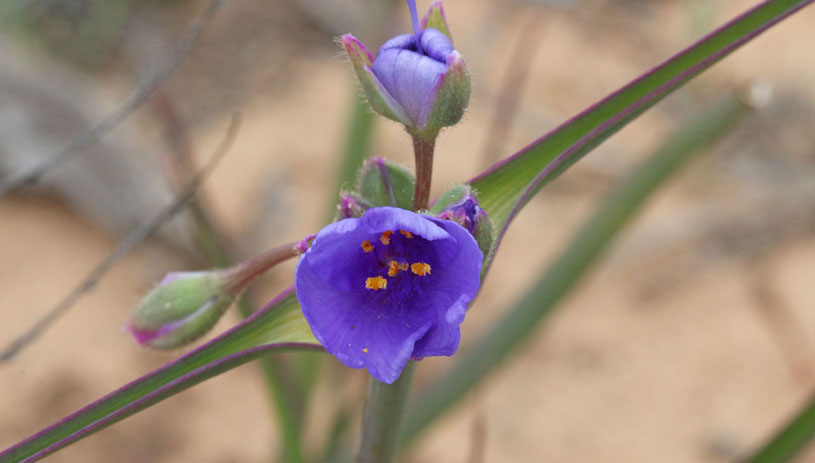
<point>183,307</point>
<point>385,183</point>
<point>351,206</point>
<point>417,79</point>
<point>460,205</point>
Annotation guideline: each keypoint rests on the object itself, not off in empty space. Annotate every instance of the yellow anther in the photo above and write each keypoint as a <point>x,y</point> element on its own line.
<point>386,237</point>
<point>365,350</point>
<point>376,283</point>
<point>395,266</point>
<point>420,268</point>
<point>407,234</point>
<point>367,246</point>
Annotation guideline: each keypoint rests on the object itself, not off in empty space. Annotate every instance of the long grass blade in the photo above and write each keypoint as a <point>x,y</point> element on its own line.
<point>584,250</point>
<point>278,327</point>
<point>507,186</point>
<point>791,439</point>
<point>137,98</point>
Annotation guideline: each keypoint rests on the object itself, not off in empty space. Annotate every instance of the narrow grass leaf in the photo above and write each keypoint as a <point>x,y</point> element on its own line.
<point>507,186</point>
<point>584,250</point>
<point>278,327</point>
<point>791,439</point>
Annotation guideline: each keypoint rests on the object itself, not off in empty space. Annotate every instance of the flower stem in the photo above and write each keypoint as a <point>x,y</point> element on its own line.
<point>382,416</point>
<point>247,271</point>
<point>423,152</point>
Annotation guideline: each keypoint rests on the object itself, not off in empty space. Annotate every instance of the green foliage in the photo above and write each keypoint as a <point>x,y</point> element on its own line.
<point>502,192</point>
<point>278,327</point>
<point>505,190</point>
<point>791,439</point>
<point>556,281</point>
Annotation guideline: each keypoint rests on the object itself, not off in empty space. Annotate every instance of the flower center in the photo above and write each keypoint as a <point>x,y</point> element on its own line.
<point>393,257</point>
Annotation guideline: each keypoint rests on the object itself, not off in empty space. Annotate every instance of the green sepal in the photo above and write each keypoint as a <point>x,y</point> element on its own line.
<point>180,310</point>
<point>378,97</point>
<point>453,195</point>
<point>435,19</point>
<point>385,183</point>
<point>485,235</point>
<point>446,103</point>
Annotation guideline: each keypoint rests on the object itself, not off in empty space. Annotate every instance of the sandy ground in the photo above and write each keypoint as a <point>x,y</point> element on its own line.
<point>691,342</point>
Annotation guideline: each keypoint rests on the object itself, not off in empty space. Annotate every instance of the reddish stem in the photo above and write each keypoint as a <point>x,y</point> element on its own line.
<point>246,271</point>
<point>423,151</point>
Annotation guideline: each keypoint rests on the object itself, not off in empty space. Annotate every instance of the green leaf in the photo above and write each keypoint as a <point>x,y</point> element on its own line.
<point>791,439</point>
<point>278,327</point>
<point>507,186</point>
<point>584,250</point>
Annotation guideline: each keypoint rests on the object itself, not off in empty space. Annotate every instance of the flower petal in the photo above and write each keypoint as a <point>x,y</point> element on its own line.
<point>356,332</point>
<point>378,96</point>
<point>457,284</point>
<point>380,219</point>
<point>414,315</point>
<point>436,45</point>
<point>406,74</point>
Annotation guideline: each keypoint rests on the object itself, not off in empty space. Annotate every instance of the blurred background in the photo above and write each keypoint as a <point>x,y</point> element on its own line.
<point>691,342</point>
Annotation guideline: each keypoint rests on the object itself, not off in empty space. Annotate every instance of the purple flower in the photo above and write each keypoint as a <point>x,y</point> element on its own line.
<point>387,287</point>
<point>417,79</point>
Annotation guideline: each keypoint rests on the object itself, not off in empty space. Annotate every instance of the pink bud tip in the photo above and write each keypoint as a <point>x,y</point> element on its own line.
<point>302,246</point>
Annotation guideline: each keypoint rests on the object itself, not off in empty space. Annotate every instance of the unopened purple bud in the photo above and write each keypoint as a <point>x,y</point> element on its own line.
<point>302,245</point>
<point>465,212</point>
<point>460,205</point>
<point>183,307</point>
<point>417,79</point>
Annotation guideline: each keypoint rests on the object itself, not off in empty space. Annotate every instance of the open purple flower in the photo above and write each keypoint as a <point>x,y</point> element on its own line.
<point>417,79</point>
<point>387,287</point>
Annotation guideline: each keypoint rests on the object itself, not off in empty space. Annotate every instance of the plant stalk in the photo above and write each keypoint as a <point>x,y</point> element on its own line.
<point>382,416</point>
<point>423,152</point>
<point>245,272</point>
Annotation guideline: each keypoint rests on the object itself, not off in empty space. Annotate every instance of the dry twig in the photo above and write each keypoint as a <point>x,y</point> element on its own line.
<point>130,105</point>
<point>133,239</point>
